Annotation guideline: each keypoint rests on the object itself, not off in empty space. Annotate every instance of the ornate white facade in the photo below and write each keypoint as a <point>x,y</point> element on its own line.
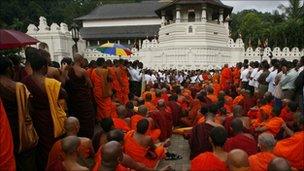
<point>57,38</point>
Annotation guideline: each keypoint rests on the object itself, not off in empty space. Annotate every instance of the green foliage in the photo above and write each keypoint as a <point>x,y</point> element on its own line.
<point>280,30</point>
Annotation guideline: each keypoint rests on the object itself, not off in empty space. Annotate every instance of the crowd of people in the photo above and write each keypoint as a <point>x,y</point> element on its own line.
<point>117,115</point>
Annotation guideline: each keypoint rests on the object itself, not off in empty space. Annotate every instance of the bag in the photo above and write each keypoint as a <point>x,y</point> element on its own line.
<point>27,134</point>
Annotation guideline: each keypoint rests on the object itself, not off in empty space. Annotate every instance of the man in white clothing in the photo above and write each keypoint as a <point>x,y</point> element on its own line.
<point>271,77</point>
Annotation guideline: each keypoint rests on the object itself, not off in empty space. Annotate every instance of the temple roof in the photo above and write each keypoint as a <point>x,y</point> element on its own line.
<point>119,32</point>
<point>144,9</point>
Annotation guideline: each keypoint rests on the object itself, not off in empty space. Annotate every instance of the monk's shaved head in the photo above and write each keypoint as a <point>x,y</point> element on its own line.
<point>237,111</point>
<point>78,57</point>
<point>71,125</point>
<point>112,152</point>
<point>142,110</point>
<point>121,111</point>
<point>115,135</point>
<point>279,164</point>
<point>266,141</point>
<point>70,144</point>
<point>237,159</point>
<point>161,103</point>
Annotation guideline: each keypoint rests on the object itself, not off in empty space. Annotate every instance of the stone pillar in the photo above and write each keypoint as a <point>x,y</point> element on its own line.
<point>221,17</point>
<point>204,13</point>
<point>178,15</point>
<point>139,44</point>
<point>98,43</point>
<point>88,43</point>
<point>118,41</point>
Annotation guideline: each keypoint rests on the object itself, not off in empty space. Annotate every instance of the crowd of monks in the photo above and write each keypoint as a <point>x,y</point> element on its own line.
<point>115,115</point>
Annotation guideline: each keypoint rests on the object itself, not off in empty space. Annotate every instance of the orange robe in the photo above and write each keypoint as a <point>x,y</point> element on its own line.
<point>260,161</point>
<point>207,162</point>
<point>150,106</point>
<point>216,78</point>
<point>292,149</point>
<point>225,78</point>
<point>138,152</point>
<point>286,115</point>
<point>7,160</point>
<point>213,98</point>
<point>153,133</point>
<point>124,83</point>
<point>274,125</point>
<point>121,124</point>
<point>236,76</point>
<point>195,106</point>
<point>238,100</point>
<point>217,88</point>
<point>115,83</point>
<point>102,94</point>
<point>267,109</point>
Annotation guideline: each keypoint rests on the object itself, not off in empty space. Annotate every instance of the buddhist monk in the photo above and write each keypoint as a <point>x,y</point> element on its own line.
<point>141,147</point>
<point>100,137</point>
<point>70,147</point>
<point>52,72</point>
<point>112,156</point>
<point>127,161</point>
<point>215,160</point>
<point>292,148</point>
<point>279,164</point>
<point>198,141</point>
<point>273,124</point>
<point>103,91</point>
<point>239,100</point>
<point>7,160</point>
<point>163,120</point>
<point>116,87</point>
<point>237,113</point>
<point>121,122</point>
<point>92,65</point>
<point>260,161</point>
<point>142,114</point>
<point>123,80</point>
<point>148,102</point>
<point>288,111</point>
<point>225,77</point>
<point>80,100</point>
<point>158,96</point>
<point>175,108</point>
<point>71,127</point>
<point>47,115</point>
<point>236,73</point>
<point>241,140</point>
<point>211,94</point>
<point>237,160</point>
<point>13,95</point>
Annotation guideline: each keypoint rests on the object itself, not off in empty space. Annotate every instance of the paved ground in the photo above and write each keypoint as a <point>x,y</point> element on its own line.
<point>180,146</point>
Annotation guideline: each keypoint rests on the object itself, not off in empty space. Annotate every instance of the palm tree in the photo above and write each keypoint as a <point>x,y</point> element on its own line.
<point>295,10</point>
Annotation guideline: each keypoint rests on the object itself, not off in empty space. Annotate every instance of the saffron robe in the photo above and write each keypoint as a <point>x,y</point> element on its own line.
<point>176,112</point>
<point>7,160</point>
<point>150,106</point>
<point>42,120</point>
<point>153,133</point>
<point>199,139</point>
<point>274,125</point>
<point>115,83</point>
<point>103,92</point>
<point>163,121</point>
<point>243,142</point>
<point>124,82</point>
<point>121,124</point>
<point>238,100</point>
<point>195,107</point>
<point>213,98</point>
<point>260,161</point>
<point>225,78</point>
<point>292,149</point>
<point>286,115</point>
<point>207,162</point>
<point>138,152</point>
<point>80,103</point>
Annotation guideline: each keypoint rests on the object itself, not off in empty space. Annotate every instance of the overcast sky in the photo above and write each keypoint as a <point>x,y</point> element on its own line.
<point>259,5</point>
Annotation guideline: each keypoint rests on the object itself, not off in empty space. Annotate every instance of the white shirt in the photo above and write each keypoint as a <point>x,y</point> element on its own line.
<point>148,78</point>
<point>135,74</point>
<point>253,73</point>
<point>256,77</point>
<point>287,81</point>
<point>244,74</point>
<point>271,81</point>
